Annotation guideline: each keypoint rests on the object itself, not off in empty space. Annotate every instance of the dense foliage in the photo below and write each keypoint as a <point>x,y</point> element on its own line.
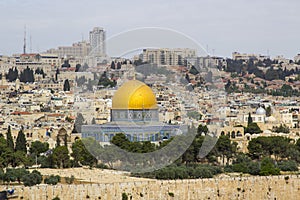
<point>267,156</point>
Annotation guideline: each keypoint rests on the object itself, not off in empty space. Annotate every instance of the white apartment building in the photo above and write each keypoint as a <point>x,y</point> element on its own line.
<point>165,56</point>
<point>97,42</point>
<point>77,50</point>
<point>245,56</point>
<point>6,63</point>
<point>297,58</point>
<point>207,61</point>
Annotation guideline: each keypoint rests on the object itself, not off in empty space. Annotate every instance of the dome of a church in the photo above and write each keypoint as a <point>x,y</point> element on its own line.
<point>134,95</point>
<point>260,111</point>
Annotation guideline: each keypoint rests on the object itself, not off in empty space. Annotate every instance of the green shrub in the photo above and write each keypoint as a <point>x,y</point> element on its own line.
<point>288,165</point>
<point>52,180</point>
<point>203,172</point>
<point>240,167</point>
<point>228,168</point>
<point>254,168</point>
<point>124,196</point>
<point>268,167</point>
<point>69,180</point>
<point>34,178</point>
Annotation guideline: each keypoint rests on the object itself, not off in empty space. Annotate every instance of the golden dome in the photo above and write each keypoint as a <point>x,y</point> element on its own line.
<point>134,95</point>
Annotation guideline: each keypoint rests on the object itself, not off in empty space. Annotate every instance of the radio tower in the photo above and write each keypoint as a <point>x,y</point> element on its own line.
<point>24,47</point>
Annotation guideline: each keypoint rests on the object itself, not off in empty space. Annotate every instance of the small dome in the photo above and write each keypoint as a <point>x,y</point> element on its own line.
<point>260,111</point>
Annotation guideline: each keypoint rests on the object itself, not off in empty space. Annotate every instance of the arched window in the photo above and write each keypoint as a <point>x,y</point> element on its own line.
<point>233,134</point>
<point>239,134</point>
<point>222,133</point>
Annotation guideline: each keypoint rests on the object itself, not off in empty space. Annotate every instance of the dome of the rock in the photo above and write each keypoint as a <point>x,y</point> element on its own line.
<point>134,95</point>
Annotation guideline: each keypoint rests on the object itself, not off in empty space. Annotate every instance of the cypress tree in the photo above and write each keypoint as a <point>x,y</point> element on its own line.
<point>21,142</point>
<point>9,139</point>
<point>66,140</point>
<point>57,141</point>
<point>250,120</point>
<point>66,85</point>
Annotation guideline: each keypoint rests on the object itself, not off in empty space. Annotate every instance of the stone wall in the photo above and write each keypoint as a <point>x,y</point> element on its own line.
<point>276,187</point>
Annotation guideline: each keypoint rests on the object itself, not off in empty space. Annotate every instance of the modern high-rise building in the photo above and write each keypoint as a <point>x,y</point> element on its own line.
<point>97,42</point>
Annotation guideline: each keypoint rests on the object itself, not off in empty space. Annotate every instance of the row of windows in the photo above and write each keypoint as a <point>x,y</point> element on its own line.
<point>131,137</point>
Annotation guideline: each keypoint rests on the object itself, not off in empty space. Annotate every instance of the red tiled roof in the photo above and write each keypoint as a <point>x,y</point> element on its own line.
<point>55,115</point>
<point>20,113</point>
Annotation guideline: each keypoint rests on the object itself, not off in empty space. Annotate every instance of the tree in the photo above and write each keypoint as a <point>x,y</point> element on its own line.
<point>78,66</point>
<point>52,180</point>
<point>268,146</point>
<point>81,155</point>
<point>193,70</point>
<point>19,157</point>
<point>57,141</point>
<point>254,168</point>
<point>33,178</point>
<point>112,65</point>
<point>12,75</point>
<point>66,64</point>
<point>202,129</point>
<point>70,180</point>
<point>225,148</point>
<point>2,175</point>
<point>250,120</point>
<point>66,85</point>
<point>38,147</point>
<point>121,141</point>
<point>105,82</point>
<point>281,129</point>
<point>27,75</point>
<point>268,167</point>
<point>79,121</point>
<point>56,74</point>
<point>288,165</point>
<point>66,140</point>
<point>9,139</point>
<point>19,173</point>
<point>268,111</point>
<point>21,142</point>
<point>61,157</point>
<point>195,115</point>
<point>118,65</point>
<point>253,128</point>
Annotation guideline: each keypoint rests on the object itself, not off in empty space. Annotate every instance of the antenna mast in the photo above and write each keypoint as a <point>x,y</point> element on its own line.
<point>30,44</point>
<point>24,47</point>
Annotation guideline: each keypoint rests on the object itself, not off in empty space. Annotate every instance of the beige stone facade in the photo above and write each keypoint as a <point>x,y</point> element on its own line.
<point>276,187</point>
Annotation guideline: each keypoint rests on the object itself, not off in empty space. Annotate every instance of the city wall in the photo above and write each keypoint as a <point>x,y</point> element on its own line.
<point>276,187</point>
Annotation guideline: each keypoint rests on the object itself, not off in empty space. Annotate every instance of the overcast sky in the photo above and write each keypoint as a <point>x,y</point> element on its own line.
<point>252,26</point>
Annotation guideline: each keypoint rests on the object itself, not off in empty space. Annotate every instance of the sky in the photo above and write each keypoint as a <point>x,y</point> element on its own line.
<point>222,26</point>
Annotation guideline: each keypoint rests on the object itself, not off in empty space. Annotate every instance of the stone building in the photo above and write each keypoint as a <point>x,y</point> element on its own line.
<point>135,113</point>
